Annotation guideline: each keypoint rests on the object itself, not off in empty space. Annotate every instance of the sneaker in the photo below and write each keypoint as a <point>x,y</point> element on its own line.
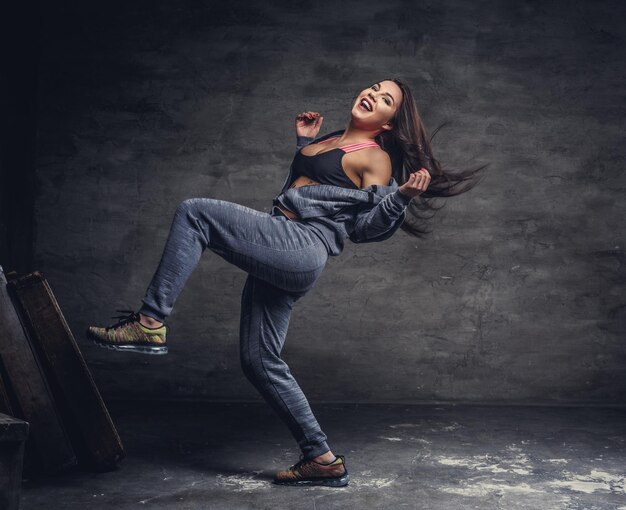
<point>310,472</point>
<point>129,335</point>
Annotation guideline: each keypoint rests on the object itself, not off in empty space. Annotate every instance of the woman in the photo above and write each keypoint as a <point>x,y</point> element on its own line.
<point>343,185</point>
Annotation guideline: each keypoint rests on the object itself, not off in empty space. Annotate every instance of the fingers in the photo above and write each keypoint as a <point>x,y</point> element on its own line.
<point>419,180</point>
<point>423,180</point>
<point>308,116</point>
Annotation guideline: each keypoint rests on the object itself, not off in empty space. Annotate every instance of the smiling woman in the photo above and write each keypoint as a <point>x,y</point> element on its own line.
<point>385,138</point>
<point>344,185</point>
<point>351,158</point>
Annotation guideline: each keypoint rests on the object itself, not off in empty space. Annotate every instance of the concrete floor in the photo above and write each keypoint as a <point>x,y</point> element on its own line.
<point>223,456</point>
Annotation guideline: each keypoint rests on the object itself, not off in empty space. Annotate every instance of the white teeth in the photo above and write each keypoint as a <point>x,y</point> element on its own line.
<point>367,105</point>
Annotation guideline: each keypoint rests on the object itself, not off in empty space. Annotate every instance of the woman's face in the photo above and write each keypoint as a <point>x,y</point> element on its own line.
<point>383,100</point>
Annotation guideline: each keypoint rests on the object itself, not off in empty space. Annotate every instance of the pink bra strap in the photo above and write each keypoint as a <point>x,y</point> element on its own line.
<point>354,146</point>
<point>358,146</point>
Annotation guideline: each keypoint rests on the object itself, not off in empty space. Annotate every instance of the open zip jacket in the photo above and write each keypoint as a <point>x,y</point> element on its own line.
<point>363,215</point>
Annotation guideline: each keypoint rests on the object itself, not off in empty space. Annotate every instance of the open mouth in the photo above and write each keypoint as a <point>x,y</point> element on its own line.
<point>365,105</point>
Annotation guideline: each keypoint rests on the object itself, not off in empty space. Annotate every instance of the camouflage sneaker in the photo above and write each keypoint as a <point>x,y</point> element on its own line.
<point>310,472</point>
<point>129,335</point>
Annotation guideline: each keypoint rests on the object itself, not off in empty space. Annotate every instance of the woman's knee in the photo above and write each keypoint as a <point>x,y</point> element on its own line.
<point>251,366</point>
<point>260,365</point>
<point>195,211</point>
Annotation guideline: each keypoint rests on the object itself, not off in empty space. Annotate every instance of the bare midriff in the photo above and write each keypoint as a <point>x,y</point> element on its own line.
<point>303,180</point>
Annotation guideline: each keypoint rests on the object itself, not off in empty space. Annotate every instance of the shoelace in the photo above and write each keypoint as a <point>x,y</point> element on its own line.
<point>302,461</point>
<point>130,316</point>
<point>299,463</point>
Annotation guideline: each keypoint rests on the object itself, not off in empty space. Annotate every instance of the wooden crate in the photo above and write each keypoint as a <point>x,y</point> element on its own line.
<point>91,430</point>
<point>13,434</point>
<point>25,394</point>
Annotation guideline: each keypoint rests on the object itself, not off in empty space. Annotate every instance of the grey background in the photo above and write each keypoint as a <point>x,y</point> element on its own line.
<point>517,296</point>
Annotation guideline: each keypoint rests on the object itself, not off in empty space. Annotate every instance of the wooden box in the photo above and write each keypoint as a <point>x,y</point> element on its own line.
<point>84,414</point>
<point>13,434</point>
<point>25,394</point>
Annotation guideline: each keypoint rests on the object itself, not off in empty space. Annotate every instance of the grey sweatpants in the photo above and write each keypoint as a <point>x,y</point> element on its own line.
<point>283,259</point>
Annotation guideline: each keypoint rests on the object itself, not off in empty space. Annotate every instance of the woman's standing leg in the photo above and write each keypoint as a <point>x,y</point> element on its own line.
<point>265,314</point>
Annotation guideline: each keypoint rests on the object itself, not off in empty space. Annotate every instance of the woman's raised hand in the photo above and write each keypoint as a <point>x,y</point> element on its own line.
<point>417,183</point>
<point>308,124</point>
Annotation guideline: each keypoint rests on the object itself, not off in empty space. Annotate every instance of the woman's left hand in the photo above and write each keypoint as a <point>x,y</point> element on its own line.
<point>417,183</point>
<point>308,124</point>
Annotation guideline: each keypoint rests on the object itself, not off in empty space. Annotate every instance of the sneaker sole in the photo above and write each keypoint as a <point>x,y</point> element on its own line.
<point>142,349</point>
<point>330,482</point>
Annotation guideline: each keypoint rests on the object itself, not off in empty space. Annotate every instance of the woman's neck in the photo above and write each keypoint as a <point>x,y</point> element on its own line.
<point>353,134</point>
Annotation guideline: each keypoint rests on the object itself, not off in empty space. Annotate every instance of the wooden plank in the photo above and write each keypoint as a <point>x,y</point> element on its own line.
<point>49,448</point>
<point>93,435</point>
<point>10,406</point>
<point>13,433</point>
<point>6,406</point>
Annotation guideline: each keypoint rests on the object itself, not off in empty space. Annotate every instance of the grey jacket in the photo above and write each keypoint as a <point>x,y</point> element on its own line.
<point>363,215</point>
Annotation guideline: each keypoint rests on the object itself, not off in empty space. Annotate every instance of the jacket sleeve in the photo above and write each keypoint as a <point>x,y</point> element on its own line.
<point>380,219</point>
<point>301,141</point>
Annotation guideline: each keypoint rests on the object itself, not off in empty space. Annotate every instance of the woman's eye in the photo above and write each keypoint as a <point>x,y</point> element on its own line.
<point>375,88</point>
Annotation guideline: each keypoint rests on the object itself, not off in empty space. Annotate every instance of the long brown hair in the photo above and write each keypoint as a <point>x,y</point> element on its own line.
<point>410,149</point>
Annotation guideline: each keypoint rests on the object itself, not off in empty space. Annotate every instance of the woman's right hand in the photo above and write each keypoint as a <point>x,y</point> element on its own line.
<point>308,124</point>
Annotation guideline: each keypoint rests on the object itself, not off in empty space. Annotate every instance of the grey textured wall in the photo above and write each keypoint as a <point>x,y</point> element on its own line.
<point>518,295</point>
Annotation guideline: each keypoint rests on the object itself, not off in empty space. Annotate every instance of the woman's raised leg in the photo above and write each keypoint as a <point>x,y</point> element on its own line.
<point>282,252</point>
<point>285,253</point>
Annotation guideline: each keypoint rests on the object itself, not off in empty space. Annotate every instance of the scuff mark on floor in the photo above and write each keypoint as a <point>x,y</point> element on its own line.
<point>521,462</point>
<point>420,440</point>
<point>453,426</point>
<point>518,465</point>
<point>390,438</point>
<point>594,481</point>
<point>243,481</point>
<point>178,490</point>
<point>366,480</point>
<point>444,426</point>
<point>483,489</point>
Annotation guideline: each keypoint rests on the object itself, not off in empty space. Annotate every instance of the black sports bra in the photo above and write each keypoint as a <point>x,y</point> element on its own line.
<point>326,167</point>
